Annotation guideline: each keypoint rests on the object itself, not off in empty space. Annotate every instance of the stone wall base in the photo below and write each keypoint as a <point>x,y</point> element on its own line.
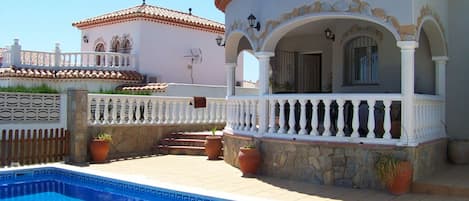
<point>340,164</point>
<point>136,141</point>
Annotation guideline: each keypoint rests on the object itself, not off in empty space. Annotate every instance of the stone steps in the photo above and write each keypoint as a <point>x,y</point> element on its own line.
<point>453,181</point>
<point>190,143</point>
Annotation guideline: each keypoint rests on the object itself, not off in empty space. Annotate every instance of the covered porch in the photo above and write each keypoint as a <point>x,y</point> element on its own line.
<point>341,78</point>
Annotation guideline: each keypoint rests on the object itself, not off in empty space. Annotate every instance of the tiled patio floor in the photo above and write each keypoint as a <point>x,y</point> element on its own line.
<point>197,172</point>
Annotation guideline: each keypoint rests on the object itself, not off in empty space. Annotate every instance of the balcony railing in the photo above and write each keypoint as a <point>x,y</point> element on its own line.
<point>107,109</point>
<point>67,60</point>
<point>335,117</point>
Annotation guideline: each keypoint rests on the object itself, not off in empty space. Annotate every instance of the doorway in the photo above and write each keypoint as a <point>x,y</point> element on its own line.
<point>308,75</point>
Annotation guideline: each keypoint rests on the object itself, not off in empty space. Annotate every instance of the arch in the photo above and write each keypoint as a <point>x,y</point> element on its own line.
<point>99,60</point>
<point>435,34</point>
<point>99,47</point>
<point>126,45</point>
<point>115,44</point>
<point>234,47</point>
<point>278,32</point>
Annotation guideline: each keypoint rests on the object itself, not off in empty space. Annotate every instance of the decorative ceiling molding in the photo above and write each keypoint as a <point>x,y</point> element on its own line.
<point>360,7</point>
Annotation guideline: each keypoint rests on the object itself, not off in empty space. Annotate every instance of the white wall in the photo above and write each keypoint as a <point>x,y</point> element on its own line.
<point>163,52</point>
<point>204,90</point>
<point>457,70</point>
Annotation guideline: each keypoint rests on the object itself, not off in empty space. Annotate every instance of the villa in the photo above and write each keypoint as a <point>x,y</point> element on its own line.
<point>343,81</point>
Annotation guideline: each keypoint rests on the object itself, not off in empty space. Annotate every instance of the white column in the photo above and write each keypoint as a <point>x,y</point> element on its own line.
<point>407,89</point>
<point>57,54</point>
<point>440,83</point>
<point>230,78</point>
<point>440,75</point>
<point>264,64</point>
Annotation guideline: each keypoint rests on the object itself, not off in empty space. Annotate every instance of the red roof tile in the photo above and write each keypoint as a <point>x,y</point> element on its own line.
<point>158,14</point>
<point>70,74</point>
<point>155,87</point>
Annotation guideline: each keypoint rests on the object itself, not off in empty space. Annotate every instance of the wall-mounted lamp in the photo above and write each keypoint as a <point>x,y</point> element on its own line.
<point>219,40</point>
<point>329,34</point>
<point>85,39</point>
<point>252,22</point>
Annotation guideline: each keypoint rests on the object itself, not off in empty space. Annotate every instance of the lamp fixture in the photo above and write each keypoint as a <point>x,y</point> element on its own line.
<point>85,39</point>
<point>329,34</point>
<point>252,22</point>
<point>219,40</point>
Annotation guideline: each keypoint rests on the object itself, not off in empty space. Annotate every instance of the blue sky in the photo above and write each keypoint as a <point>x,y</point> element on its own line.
<point>39,24</point>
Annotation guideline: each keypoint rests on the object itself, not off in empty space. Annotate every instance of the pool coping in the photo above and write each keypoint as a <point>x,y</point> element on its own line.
<point>141,181</point>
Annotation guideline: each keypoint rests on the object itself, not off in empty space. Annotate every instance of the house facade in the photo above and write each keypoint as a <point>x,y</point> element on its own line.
<point>343,81</point>
<point>130,47</point>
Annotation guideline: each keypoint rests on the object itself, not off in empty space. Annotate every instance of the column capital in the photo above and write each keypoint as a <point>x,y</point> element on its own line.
<point>261,55</point>
<point>407,45</point>
<point>440,59</point>
<point>230,65</point>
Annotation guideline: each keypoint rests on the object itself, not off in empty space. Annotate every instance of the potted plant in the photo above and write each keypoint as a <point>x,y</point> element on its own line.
<point>99,147</point>
<point>249,159</point>
<point>213,145</point>
<point>394,173</point>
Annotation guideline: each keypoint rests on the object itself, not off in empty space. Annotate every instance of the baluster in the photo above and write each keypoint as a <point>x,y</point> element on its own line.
<point>247,116</point>
<point>228,114</point>
<point>314,117</point>
<point>200,115</point>
<point>187,118</point>
<point>181,112</point>
<point>138,113</point>
<point>303,116</point>
<point>205,113</point>
<point>212,109</point>
<point>291,119</point>
<point>236,114</point>
<point>50,61</point>
<point>241,114</point>
<point>44,59</point>
<point>106,110</point>
<point>327,117</point>
<point>387,119</point>
<point>223,108</point>
<point>160,111</point>
<point>253,117</point>
<point>355,118</point>
<point>340,118</point>
<point>281,123</point>
<point>131,111</point>
<point>75,62</point>
<point>174,108</point>
<point>193,115</point>
<point>152,102</point>
<point>272,127</point>
<point>145,111</point>
<point>114,111</point>
<point>166,112</point>
<point>371,119</point>
<point>96,111</point>
<point>123,107</point>
<point>90,116</point>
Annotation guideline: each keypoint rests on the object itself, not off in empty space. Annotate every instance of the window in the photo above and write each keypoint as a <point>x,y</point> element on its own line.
<point>115,47</point>
<point>99,59</point>
<point>361,61</point>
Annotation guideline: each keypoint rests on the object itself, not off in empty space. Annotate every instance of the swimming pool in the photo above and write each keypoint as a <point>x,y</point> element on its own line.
<point>52,183</point>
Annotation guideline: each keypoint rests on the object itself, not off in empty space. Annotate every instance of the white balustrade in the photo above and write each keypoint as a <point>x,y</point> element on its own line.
<point>429,122</point>
<point>74,60</point>
<point>329,117</point>
<point>105,109</point>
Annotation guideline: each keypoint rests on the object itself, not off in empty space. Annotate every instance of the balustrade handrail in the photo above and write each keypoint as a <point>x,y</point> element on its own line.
<point>426,97</point>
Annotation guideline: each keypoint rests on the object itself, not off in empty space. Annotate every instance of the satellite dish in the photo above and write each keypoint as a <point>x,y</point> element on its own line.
<point>195,55</point>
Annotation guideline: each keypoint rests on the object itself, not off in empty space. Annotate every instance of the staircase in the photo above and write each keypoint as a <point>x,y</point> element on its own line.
<point>453,181</point>
<point>184,143</point>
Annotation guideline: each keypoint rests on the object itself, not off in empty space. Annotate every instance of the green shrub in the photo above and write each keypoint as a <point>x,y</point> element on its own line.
<point>22,89</point>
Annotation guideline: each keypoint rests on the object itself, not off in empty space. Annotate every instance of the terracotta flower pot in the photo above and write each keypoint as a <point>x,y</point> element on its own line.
<point>249,160</point>
<point>213,147</point>
<point>99,150</point>
<point>401,183</point>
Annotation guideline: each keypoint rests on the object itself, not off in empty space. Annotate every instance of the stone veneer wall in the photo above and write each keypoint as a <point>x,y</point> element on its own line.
<point>132,141</point>
<point>341,164</point>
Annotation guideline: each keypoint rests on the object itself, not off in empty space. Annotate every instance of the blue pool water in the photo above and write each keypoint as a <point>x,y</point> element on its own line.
<point>56,184</point>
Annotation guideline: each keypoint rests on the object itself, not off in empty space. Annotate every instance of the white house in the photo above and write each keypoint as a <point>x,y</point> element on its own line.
<point>345,81</point>
<point>145,43</point>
